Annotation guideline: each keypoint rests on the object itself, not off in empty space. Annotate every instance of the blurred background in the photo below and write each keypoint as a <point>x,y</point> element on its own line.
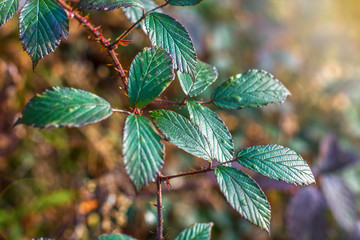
<point>71,183</point>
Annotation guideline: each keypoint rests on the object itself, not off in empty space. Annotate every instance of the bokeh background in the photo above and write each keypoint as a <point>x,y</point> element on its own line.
<point>71,183</point>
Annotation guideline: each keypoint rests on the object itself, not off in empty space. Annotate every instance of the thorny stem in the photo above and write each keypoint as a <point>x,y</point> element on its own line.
<point>160,229</point>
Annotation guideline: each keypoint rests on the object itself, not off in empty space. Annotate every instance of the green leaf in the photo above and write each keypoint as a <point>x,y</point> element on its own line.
<point>143,152</point>
<point>277,162</point>
<point>150,73</point>
<point>168,33</point>
<point>64,107</point>
<point>108,4</point>
<point>182,132</point>
<point>214,129</point>
<point>244,195</point>
<point>183,2</point>
<point>7,10</point>
<point>205,75</point>
<point>116,236</point>
<point>42,25</point>
<point>134,14</point>
<point>253,88</point>
<point>198,231</point>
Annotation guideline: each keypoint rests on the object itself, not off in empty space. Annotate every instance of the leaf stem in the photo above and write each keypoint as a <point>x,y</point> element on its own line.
<point>121,111</point>
<point>169,101</point>
<point>159,233</point>
<point>205,102</point>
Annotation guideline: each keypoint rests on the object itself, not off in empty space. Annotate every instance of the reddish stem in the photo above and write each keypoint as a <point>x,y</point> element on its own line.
<point>160,229</point>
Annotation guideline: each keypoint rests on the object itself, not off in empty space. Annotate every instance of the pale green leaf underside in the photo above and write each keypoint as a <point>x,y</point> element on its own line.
<point>183,2</point>
<point>134,14</point>
<point>244,195</point>
<point>205,75</point>
<point>253,88</point>
<point>108,4</point>
<point>182,132</point>
<point>115,236</point>
<point>143,152</point>
<point>42,25</point>
<point>277,162</point>
<point>7,10</point>
<point>166,32</point>
<point>215,131</point>
<point>64,107</point>
<point>150,73</point>
<point>198,231</point>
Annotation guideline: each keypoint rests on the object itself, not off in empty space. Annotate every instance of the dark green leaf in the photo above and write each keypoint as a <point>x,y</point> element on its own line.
<point>168,33</point>
<point>42,25</point>
<point>205,75</point>
<point>64,107</point>
<point>116,236</point>
<point>150,73</point>
<point>253,88</point>
<point>244,195</point>
<point>277,162</point>
<point>143,152</point>
<point>198,231</point>
<point>7,10</point>
<point>134,14</point>
<point>214,129</point>
<point>183,2</point>
<point>182,132</point>
<point>108,4</point>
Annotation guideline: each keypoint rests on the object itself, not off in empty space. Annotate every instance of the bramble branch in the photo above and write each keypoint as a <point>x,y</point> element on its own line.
<point>159,233</point>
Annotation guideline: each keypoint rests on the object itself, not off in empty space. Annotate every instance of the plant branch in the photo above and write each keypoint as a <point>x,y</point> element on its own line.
<point>159,233</point>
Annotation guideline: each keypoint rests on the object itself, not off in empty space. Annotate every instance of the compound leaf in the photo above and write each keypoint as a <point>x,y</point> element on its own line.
<point>64,107</point>
<point>42,25</point>
<point>244,195</point>
<point>134,14</point>
<point>182,132</point>
<point>168,33</point>
<point>205,75</point>
<point>7,10</point>
<point>197,231</point>
<point>277,162</point>
<point>115,236</point>
<point>183,2</point>
<point>143,152</point>
<point>214,129</point>
<point>253,88</point>
<point>108,4</point>
<point>150,73</point>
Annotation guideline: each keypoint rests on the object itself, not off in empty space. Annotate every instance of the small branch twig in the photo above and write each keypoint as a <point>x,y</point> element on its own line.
<point>160,229</point>
<point>169,101</point>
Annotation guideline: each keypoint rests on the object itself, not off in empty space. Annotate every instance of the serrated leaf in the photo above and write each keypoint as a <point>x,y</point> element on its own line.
<point>115,236</point>
<point>134,14</point>
<point>306,218</point>
<point>42,25</point>
<point>341,201</point>
<point>244,195</point>
<point>198,231</point>
<point>182,132</point>
<point>205,75</point>
<point>183,2</point>
<point>108,4</point>
<point>150,73</point>
<point>64,107</point>
<point>143,152</point>
<point>166,32</point>
<point>215,131</point>
<point>254,88</point>
<point>7,10</point>
<point>277,162</point>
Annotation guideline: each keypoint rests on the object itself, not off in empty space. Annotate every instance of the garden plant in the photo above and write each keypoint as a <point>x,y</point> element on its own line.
<point>172,57</point>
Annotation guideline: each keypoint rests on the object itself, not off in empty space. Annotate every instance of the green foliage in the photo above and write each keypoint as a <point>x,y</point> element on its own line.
<point>115,236</point>
<point>64,107</point>
<point>42,25</point>
<point>150,73</point>
<point>7,10</point>
<point>166,32</point>
<point>183,2</point>
<point>182,132</point>
<point>108,4</point>
<point>205,75</point>
<point>277,162</point>
<point>253,88</point>
<point>142,150</point>
<point>214,129</point>
<point>198,231</point>
<point>244,195</point>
